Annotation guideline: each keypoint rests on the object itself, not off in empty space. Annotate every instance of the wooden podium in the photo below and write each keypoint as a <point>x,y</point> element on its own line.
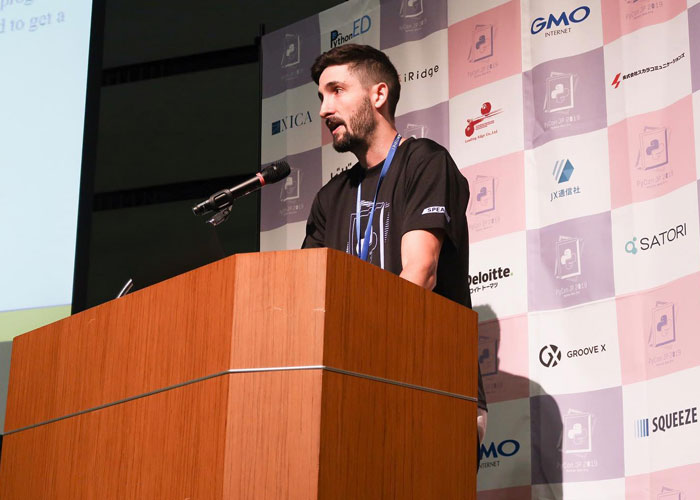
<point>284,375</point>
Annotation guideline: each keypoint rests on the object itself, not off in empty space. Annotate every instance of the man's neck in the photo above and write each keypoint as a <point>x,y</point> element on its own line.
<point>379,145</point>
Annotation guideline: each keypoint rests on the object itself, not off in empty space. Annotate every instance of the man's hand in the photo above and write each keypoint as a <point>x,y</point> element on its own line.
<point>420,250</point>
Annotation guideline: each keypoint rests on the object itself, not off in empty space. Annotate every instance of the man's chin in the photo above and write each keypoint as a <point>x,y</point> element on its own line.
<point>342,144</point>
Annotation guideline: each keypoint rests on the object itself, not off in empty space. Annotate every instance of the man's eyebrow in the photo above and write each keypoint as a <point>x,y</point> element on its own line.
<point>329,85</point>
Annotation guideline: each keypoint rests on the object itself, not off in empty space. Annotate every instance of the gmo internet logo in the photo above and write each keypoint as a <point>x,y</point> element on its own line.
<point>657,240</point>
<point>577,15</point>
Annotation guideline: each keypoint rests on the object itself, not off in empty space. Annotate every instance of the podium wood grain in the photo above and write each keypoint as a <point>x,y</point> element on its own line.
<point>306,433</point>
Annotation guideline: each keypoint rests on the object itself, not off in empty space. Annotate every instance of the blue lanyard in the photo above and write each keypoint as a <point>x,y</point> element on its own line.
<point>364,248</point>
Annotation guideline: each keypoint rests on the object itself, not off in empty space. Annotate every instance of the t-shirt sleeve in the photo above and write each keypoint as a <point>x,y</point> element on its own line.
<point>315,227</point>
<point>436,195</point>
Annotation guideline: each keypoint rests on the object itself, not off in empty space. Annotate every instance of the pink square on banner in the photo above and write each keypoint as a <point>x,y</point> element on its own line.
<point>484,48</point>
<point>517,493</point>
<point>497,201</point>
<point>625,16</point>
<point>679,483</point>
<point>652,154</point>
<point>658,330</point>
<point>503,367</point>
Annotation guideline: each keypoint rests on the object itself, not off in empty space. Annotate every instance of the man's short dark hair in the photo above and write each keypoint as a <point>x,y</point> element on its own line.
<point>372,64</point>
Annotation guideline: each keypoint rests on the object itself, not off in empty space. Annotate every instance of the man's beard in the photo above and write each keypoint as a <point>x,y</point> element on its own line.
<point>362,124</point>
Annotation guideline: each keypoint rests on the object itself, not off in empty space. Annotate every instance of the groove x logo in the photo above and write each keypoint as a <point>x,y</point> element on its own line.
<point>550,355</point>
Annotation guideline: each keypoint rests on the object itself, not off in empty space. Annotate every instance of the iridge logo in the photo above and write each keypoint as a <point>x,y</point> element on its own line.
<point>656,240</point>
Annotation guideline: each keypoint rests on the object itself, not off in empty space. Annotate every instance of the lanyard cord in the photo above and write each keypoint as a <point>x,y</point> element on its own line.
<point>363,245</point>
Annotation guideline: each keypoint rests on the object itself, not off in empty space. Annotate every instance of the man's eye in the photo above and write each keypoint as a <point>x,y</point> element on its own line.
<point>337,90</point>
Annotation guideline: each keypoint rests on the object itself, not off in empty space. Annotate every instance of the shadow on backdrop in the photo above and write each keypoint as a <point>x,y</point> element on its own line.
<point>518,423</point>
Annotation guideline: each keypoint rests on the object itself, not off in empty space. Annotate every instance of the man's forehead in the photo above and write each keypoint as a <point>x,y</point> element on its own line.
<point>338,73</point>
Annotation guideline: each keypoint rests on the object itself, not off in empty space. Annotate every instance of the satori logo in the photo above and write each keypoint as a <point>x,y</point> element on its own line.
<point>359,27</point>
<point>291,121</point>
<point>483,121</point>
<point>410,76</point>
<point>488,279</point>
<point>482,43</point>
<point>656,240</point>
<point>666,422</point>
<point>494,451</point>
<point>563,21</point>
<point>550,355</point>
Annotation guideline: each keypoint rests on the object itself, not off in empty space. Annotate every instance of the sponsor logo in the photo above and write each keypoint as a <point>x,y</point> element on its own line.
<point>670,494</point>
<point>290,122</point>
<point>429,72</point>
<point>643,71</point>
<point>482,43</point>
<point>488,349</point>
<point>636,9</point>
<point>340,170</point>
<point>653,149</point>
<point>436,210</point>
<point>290,194</point>
<point>481,123</point>
<point>484,199</point>
<point>562,22</point>
<point>488,279</point>
<point>412,16</point>
<point>415,130</point>
<point>550,355</point>
<point>662,335</point>
<point>359,27</point>
<point>666,422</point>
<point>491,454</point>
<point>559,95</point>
<point>568,255</point>
<point>563,170</point>
<point>291,52</point>
<point>657,240</point>
<point>578,432</point>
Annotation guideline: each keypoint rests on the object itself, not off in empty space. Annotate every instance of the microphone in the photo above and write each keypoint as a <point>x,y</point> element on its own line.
<point>224,198</point>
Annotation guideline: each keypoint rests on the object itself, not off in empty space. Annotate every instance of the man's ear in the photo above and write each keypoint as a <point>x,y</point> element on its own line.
<point>380,95</point>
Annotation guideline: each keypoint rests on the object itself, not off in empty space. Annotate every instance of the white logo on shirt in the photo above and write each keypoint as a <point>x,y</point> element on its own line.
<point>436,210</point>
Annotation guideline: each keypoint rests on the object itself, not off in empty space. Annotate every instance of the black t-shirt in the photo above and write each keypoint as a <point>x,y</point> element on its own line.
<point>423,189</point>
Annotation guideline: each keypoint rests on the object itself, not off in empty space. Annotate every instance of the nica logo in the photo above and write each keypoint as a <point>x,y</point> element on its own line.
<point>359,27</point>
<point>577,15</point>
<point>291,121</point>
<point>657,240</point>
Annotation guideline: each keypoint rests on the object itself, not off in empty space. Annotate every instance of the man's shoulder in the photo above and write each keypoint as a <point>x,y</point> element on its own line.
<point>424,146</point>
<point>340,181</point>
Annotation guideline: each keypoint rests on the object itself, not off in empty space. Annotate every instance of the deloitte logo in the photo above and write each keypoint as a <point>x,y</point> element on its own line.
<point>657,240</point>
<point>489,279</point>
<point>550,355</point>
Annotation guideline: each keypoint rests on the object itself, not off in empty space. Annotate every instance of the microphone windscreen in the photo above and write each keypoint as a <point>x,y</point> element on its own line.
<point>275,172</point>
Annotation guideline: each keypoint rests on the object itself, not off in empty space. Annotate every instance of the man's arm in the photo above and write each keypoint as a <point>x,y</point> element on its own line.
<point>420,251</point>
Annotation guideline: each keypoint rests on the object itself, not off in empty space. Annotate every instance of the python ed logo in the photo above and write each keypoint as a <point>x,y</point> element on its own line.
<point>616,81</point>
<point>550,355</point>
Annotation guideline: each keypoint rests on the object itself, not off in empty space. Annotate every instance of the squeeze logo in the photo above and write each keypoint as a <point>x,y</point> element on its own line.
<point>359,27</point>
<point>563,22</point>
<point>666,422</point>
<point>656,240</point>
<point>291,121</point>
<point>481,122</point>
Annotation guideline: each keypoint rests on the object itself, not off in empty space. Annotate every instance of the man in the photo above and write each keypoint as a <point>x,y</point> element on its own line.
<point>402,206</point>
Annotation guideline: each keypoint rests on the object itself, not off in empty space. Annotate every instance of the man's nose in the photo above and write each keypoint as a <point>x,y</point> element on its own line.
<point>326,109</point>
